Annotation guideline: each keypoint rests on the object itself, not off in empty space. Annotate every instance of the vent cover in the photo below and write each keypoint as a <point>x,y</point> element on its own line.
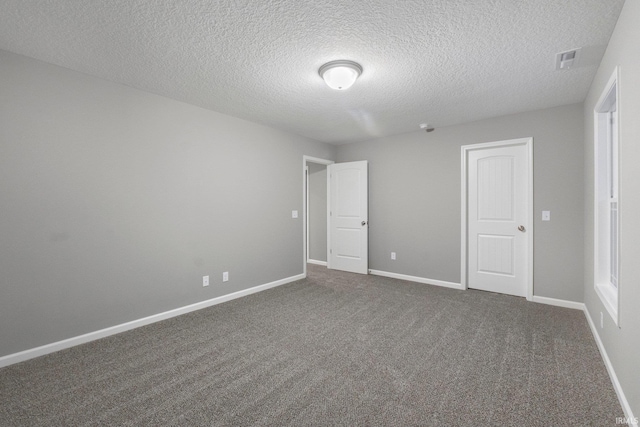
<point>568,59</point>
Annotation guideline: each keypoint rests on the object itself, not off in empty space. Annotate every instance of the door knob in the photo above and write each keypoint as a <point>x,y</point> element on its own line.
<point>364,223</point>
<point>521,228</point>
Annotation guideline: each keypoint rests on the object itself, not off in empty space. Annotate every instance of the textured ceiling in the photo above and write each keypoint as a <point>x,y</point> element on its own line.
<point>439,61</point>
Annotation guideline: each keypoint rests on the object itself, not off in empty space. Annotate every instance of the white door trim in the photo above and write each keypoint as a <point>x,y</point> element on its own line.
<point>465,150</point>
<point>320,161</point>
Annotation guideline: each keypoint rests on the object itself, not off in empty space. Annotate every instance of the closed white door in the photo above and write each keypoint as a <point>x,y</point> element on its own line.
<point>348,217</point>
<point>498,217</point>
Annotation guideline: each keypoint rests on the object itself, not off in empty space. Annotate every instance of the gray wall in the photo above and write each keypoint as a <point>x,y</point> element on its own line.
<point>414,202</point>
<point>317,212</point>
<point>115,203</point>
<point>622,344</point>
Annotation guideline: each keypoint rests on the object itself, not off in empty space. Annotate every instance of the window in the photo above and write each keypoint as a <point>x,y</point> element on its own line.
<point>606,230</point>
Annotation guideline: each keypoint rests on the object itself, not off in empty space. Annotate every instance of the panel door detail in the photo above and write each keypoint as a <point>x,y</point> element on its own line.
<point>497,192</point>
<point>348,217</point>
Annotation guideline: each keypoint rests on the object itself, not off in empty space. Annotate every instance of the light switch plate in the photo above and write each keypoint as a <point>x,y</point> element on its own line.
<point>294,214</point>
<point>546,215</point>
<point>205,280</point>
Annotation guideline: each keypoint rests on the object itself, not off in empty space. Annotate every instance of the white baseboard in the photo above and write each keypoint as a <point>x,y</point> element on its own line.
<point>417,279</point>
<point>559,302</point>
<point>315,261</point>
<point>10,359</point>
<point>628,413</point>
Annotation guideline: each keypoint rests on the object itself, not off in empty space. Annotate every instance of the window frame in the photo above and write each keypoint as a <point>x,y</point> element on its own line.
<point>606,221</point>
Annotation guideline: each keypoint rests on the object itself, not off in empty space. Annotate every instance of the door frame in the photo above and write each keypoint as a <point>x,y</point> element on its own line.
<point>465,150</point>
<point>305,212</point>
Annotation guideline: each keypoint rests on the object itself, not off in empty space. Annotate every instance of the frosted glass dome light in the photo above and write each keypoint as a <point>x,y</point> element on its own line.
<point>340,75</point>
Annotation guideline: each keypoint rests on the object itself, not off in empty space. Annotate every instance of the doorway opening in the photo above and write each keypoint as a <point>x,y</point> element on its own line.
<point>315,210</point>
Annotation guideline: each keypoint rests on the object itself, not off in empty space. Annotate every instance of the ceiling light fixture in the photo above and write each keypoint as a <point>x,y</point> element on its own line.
<point>341,74</point>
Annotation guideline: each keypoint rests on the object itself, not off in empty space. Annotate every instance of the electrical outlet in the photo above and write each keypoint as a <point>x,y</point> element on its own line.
<point>225,276</point>
<point>601,321</point>
<point>205,280</point>
<point>393,255</point>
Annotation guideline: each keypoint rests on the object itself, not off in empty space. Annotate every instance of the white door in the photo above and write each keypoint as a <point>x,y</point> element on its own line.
<point>348,217</point>
<point>498,212</point>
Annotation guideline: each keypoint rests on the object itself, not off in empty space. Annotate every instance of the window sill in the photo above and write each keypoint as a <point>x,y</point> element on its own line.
<point>609,297</point>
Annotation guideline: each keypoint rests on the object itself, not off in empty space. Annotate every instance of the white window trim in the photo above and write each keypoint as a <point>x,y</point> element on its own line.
<point>607,292</point>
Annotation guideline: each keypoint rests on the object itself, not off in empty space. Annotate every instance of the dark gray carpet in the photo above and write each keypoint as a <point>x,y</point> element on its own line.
<point>335,349</point>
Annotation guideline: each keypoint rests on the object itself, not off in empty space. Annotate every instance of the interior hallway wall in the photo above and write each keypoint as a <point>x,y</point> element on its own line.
<point>317,212</point>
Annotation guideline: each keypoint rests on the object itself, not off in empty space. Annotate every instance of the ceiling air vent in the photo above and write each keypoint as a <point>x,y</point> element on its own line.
<point>567,60</point>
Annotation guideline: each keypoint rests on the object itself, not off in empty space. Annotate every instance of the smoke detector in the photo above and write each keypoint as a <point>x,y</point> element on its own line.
<point>426,127</point>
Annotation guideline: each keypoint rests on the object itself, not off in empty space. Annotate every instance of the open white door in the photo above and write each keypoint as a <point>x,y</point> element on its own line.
<point>348,241</point>
<point>498,196</point>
